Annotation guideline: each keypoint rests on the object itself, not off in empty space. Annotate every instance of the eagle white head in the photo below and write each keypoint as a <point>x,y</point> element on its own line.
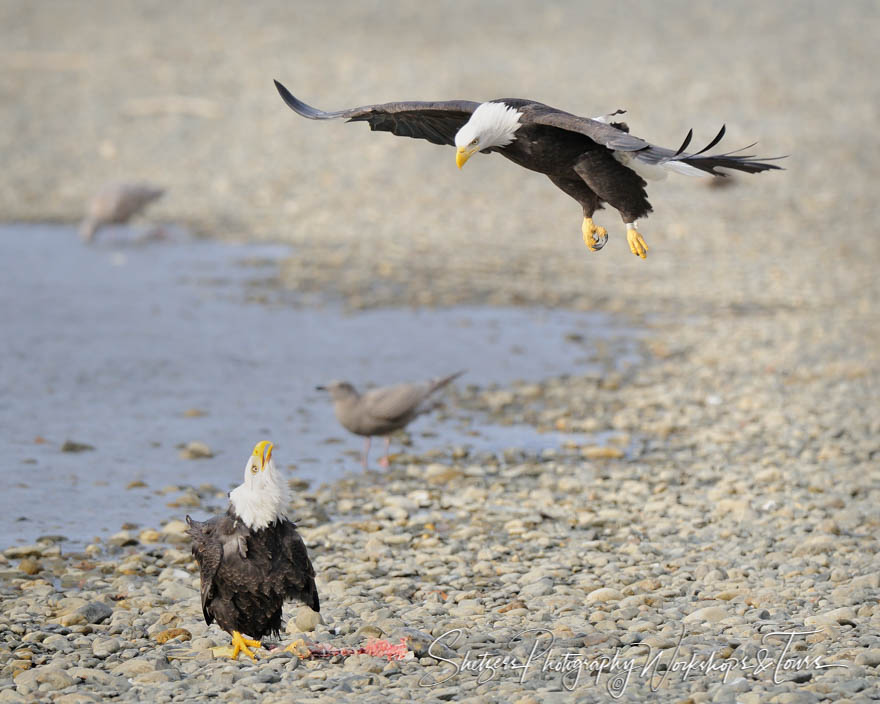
<point>491,125</point>
<point>262,497</point>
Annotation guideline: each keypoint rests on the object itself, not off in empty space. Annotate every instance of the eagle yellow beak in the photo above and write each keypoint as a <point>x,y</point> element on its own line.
<point>263,450</point>
<point>462,155</point>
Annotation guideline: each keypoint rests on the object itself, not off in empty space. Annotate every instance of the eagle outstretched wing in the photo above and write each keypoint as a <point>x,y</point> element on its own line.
<point>437,122</point>
<point>620,141</point>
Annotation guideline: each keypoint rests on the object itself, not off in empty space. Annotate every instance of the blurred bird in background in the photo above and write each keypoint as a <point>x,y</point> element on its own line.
<point>116,204</point>
<point>382,411</point>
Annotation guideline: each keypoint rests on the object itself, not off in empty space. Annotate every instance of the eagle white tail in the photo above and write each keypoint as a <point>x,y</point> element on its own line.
<point>652,163</point>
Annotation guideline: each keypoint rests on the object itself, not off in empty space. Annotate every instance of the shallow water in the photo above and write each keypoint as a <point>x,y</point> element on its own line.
<point>111,345</point>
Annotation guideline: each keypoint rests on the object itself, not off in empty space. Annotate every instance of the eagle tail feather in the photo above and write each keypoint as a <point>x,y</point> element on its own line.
<point>687,140</point>
<point>691,164</point>
<point>715,141</point>
<point>746,163</point>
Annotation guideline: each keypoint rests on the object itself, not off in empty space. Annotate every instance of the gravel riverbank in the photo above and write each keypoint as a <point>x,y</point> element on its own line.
<point>737,495</point>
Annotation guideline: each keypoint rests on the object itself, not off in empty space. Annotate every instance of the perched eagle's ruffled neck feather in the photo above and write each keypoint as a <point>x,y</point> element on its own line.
<point>261,499</point>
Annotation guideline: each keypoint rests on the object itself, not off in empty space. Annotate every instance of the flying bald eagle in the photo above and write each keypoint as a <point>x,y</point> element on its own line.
<point>251,558</point>
<point>594,161</point>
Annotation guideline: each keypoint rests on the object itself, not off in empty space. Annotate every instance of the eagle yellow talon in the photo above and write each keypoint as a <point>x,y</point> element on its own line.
<point>595,237</point>
<point>240,644</point>
<point>298,648</point>
<point>636,243</point>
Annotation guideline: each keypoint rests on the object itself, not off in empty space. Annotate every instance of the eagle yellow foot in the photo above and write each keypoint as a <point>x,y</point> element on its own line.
<point>636,243</point>
<point>298,648</point>
<point>595,237</point>
<point>240,644</point>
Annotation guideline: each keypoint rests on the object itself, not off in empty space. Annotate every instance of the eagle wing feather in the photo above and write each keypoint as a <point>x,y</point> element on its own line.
<point>600,132</point>
<point>436,122</point>
<point>617,140</point>
<point>300,572</point>
<point>208,551</point>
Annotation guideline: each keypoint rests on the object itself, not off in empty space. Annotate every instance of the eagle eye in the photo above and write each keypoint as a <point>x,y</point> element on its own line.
<point>254,469</point>
<point>475,140</point>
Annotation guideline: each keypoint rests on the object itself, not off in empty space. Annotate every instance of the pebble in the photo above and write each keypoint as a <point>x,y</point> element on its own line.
<point>76,698</point>
<point>179,634</point>
<point>122,539</point>
<point>603,594</point>
<point>717,477</point>
<point>95,612</point>
<point>102,647</point>
<point>175,532</point>
<point>134,667</point>
<point>73,446</point>
<point>156,677</point>
<point>21,551</point>
<point>149,536</point>
<point>594,452</point>
<point>196,451</point>
<point>178,592</point>
<point>835,616</point>
<point>363,663</point>
<point>47,678</point>
<point>307,620</point>
<point>30,566</point>
<point>712,614</point>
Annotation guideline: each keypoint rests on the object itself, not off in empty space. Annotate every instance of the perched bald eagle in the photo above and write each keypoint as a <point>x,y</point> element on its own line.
<point>595,161</point>
<point>251,558</point>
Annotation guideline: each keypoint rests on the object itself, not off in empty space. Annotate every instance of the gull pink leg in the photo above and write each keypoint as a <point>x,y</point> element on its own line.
<point>366,452</point>
<point>385,461</point>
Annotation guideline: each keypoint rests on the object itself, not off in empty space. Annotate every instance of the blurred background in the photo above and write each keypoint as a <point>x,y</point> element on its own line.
<point>180,94</point>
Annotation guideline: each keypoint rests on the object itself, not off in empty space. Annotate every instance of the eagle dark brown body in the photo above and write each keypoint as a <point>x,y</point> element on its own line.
<point>246,575</point>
